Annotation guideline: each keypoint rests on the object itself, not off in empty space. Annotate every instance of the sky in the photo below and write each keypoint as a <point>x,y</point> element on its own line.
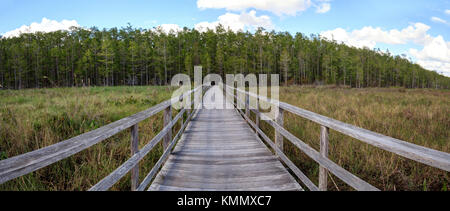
<point>418,29</point>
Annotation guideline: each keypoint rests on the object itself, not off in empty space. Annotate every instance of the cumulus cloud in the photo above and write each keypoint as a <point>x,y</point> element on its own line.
<point>369,36</point>
<point>447,12</point>
<point>278,7</point>
<point>46,25</point>
<point>435,54</point>
<point>438,20</point>
<point>236,22</point>
<point>169,28</point>
<point>323,6</point>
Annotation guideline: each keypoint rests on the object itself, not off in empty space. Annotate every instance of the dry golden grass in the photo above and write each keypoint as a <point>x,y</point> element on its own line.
<point>32,119</point>
<point>418,116</point>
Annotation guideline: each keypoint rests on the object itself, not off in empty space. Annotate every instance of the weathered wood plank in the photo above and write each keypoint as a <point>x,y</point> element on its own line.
<point>223,156</point>
<point>184,160</point>
<point>167,120</point>
<point>285,187</point>
<point>221,152</point>
<point>134,150</point>
<point>221,147</point>
<point>220,159</point>
<point>174,180</point>
<point>247,105</point>
<point>222,174</point>
<point>278,136</point>
<point>184,175</point>
<point>267,164</point>
<point>323,173</point>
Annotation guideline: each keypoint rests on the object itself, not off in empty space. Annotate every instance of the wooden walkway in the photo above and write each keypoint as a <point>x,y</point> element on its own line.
<point>222,150</point>
<point>219,151</point>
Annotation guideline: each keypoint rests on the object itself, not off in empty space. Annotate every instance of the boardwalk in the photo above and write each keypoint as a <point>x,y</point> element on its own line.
<point>222,150</point>
<point>219,151</point>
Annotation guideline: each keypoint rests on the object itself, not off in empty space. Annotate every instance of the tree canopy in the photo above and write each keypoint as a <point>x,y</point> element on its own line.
<point>134,56</point>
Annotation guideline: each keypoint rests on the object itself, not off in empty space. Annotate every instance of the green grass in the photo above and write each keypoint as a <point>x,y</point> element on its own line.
<point>32,119</point>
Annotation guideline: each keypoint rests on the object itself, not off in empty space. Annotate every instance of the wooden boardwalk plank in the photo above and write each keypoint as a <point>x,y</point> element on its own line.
<point>220,152</point>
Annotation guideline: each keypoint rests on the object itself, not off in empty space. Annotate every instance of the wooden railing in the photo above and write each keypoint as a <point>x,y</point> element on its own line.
<point>414,152</point>
<point>29,162</point>
<point>26,163</point>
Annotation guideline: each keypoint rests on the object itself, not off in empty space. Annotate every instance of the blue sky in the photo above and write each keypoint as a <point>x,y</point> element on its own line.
<point>355,22</point>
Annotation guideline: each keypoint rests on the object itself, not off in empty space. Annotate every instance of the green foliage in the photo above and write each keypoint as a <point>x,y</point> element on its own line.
<point>130,56</point>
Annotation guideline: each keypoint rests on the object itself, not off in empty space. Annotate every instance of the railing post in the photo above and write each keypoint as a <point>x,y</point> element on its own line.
<point>323,172</point>
<point>257,119</point>
<point>247,104</point>
<point>182,116</point>
<point>278,137</point>
<point>235,97</point>
<point>167,120</point>
<point>188,111</point>
<point>224,91</point>
<point>134,150</point>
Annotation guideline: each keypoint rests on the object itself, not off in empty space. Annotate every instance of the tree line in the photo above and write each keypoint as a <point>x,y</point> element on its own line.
<point>134,56</point>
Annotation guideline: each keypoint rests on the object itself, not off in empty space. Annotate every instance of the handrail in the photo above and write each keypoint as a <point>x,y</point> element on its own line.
<point>120,172</point>
<point>414,152</point>
<point>418,153</point>
<point>341,173</point>
<point>29,162</point>
<point>165,155</point>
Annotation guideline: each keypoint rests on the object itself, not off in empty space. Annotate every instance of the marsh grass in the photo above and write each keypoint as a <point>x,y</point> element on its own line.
<point>417,116</point>
<point>32,119</point>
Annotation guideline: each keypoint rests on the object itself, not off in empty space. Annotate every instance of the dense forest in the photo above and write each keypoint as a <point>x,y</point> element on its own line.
<point>132,56</point>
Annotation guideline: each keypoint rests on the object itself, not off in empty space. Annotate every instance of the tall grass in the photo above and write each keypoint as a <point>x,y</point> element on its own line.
<point>32,119</point>
<point>418,116</point>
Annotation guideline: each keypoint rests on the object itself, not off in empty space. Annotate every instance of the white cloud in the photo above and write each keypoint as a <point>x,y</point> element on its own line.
<point>323,8</point>
<point>438,20</point>
<point>236,22</point>
<point>168,28</point>
<point>278,7</point>
<point>447,12</point>
<point>435,54</point>
<point>46,25</point>
<point>369,36</point>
